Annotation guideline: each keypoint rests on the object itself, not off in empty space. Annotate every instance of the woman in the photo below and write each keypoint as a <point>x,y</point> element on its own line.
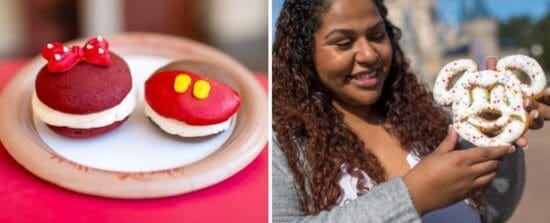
<point>351,120</point>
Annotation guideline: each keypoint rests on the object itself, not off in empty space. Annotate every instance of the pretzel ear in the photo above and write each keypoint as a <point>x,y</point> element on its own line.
<point>530,67</point>
<point>442,92</point>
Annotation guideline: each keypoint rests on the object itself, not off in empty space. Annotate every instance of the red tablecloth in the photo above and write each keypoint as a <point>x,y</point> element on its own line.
<point>26,198</point>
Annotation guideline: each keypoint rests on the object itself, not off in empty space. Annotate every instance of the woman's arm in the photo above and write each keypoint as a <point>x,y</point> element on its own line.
<point>387,202</point>
<point>440,179</point>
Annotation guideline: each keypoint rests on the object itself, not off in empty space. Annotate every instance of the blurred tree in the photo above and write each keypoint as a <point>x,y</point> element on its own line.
<point>528,34</point>
<point>541,34</point>
<point>518,29</point>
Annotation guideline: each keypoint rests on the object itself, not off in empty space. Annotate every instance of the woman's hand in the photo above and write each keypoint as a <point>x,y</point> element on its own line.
<point>446,176</point>
<point>539,111</point>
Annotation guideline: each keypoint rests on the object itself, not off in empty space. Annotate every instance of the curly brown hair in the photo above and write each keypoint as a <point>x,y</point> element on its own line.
<point>311,132</point>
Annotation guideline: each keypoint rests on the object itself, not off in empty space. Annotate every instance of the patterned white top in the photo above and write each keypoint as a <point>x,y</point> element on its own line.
<point>348,183</point>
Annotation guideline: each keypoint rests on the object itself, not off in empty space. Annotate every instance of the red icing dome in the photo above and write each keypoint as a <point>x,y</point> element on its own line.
<point>85,88</point>
<point>222,101</point>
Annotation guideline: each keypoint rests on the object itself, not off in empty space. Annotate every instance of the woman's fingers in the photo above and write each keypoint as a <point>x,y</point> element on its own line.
<point>448,143</point>
<point>480,154</point>
<point>484,180</point>
<point>530,104</point>
<point>536,120</point>
<point>536,111</point>
<point>522,142</point>
<point>484,168</point>
<point>544,105</point>
<point>545,97</point>
<point>491,63</point>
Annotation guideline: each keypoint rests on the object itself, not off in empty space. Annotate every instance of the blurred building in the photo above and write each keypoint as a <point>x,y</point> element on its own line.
<point>479,33</point>
<point>421,34</point>
<point>430,44</point>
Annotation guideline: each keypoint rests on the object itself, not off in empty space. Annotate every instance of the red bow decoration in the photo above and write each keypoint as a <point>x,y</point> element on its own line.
<point>60,58</point>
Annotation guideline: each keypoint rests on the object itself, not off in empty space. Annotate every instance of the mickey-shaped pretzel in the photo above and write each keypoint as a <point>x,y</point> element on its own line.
<point>487,105</point>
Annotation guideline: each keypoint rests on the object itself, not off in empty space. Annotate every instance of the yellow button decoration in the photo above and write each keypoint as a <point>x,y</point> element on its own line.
<point>181,83</point>
<point>201,89</point>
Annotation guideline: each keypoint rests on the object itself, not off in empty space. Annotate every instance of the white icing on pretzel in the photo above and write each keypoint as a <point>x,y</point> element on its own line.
<point>531,68</point>
<point>478,93</point>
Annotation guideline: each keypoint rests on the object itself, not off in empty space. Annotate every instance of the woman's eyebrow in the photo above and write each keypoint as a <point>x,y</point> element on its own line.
<point>349,32</point>
<point>380,23</point>
<point>340,31</point>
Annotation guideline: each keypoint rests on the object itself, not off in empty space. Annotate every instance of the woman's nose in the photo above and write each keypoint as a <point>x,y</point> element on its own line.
<point>365,52</point>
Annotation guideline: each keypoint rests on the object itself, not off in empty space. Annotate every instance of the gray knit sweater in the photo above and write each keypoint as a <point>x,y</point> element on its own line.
<point>387,202</point>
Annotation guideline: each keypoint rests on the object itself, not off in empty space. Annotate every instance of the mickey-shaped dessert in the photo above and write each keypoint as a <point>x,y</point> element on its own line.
<point>487,105</point>
<point>184,99</point>
<point>83,91</point>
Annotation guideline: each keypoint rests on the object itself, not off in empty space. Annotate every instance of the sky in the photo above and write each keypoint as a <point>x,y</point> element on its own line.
<point>449,10</point>
<point>276,9</point>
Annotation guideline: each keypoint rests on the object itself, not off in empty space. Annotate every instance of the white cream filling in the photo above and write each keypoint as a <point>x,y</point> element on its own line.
<point>86,121</point>
<point>175,127</point>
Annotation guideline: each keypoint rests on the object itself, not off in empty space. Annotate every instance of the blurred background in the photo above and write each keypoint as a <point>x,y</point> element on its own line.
<point>26,25</point>
<point>436,32</point>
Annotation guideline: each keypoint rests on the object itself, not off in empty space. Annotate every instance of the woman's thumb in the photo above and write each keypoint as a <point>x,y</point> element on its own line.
<point>449,142</point>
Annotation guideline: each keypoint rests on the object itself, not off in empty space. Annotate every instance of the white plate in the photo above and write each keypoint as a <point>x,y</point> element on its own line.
<point>137,160</point>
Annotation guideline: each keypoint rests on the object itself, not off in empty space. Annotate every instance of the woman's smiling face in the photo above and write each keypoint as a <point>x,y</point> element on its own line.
<point>352,51</point>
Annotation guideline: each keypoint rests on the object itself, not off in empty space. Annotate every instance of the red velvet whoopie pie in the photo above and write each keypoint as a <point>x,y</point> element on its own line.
<point>83,91</point>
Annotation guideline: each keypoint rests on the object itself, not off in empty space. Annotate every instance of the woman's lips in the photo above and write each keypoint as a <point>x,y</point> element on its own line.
<point>365,79</point>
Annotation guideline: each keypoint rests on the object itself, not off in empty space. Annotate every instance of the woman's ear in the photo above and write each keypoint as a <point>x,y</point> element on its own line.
<point>448,76</point>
